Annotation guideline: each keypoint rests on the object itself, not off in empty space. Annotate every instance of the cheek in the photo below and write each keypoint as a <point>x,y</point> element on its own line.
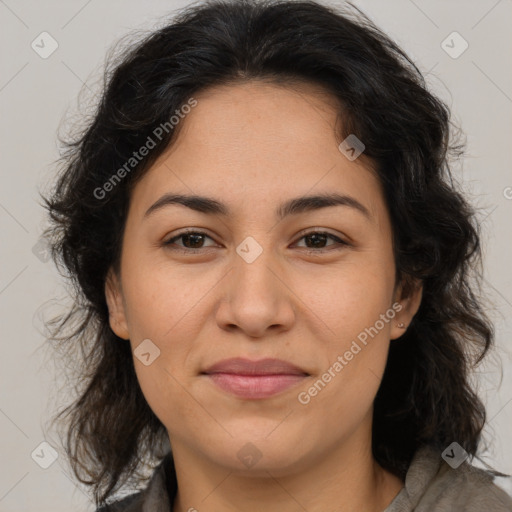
<point>168,306</point>
<point>354,306</point>
<point>348,299</point>
<point>164,301</point>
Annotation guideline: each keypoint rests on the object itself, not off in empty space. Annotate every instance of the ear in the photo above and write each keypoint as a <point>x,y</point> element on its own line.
<point>114,297</point>
<point>408,295</point>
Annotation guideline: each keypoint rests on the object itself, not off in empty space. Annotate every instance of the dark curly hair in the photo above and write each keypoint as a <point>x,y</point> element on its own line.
<point>425,396</point>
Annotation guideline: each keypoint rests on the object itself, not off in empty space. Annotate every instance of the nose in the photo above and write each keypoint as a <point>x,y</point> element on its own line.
<point>256,298</point>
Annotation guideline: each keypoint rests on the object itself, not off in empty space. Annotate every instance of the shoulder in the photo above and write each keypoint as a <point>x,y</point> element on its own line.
<point>156,496</point>
<point>432,485</point>
<point>131,503</point>
<point>466,488</point>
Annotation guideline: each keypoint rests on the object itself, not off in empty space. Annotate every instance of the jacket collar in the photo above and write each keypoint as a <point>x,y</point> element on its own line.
<point>162,487</point>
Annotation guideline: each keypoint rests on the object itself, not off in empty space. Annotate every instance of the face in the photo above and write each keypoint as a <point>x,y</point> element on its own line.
<point>313,287</point>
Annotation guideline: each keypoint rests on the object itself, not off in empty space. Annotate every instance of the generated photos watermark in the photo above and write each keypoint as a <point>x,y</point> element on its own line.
<point>144,150</point>
<point>304,397</point>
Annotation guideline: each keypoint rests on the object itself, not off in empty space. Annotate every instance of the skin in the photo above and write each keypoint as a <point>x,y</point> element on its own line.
<point>252,146</point>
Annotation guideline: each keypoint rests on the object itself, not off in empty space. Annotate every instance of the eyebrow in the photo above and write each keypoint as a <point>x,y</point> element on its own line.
<point>295,206</point>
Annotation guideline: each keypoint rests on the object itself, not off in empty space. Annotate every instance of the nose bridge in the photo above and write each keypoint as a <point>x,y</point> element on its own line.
<point>252,275</point>
<point>252,267</point>
<point>256,298</point>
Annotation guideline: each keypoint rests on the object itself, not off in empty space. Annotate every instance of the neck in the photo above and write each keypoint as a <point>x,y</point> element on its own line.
<point>346,479</point>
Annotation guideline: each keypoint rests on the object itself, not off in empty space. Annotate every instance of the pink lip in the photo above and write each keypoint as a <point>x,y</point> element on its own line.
<point>254,379</point>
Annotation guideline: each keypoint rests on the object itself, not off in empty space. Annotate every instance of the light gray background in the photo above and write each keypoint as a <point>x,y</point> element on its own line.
<point>35,93</point>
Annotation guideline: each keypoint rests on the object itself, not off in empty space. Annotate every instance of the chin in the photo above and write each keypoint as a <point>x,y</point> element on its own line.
<point>259,450</point>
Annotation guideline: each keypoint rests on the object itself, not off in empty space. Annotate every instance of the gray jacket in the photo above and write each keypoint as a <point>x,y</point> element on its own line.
<point>431,485</point>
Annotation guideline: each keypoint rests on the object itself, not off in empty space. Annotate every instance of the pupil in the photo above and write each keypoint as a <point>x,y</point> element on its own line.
<point>188,236</point>
<point>316,237</point>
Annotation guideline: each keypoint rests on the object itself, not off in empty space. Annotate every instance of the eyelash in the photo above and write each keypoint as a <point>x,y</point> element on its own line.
<point>169,243</point>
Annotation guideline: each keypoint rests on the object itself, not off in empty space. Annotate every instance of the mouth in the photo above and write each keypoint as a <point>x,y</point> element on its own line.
<point>254,379</point>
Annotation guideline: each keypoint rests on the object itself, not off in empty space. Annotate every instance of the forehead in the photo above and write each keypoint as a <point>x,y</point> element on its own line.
<point>246,116</point>
<point>253,142</point>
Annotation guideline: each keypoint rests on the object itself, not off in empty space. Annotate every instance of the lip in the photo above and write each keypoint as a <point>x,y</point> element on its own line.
<point>249,379</point>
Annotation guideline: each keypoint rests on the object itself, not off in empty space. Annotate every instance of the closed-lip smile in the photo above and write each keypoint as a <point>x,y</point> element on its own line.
<point>258,379</point>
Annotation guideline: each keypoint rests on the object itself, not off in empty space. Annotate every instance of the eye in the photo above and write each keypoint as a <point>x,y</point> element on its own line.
<point>315,241</point>
<point>193,241</point>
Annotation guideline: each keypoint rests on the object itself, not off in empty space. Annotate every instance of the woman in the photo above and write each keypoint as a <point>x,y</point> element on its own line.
<point>273,274</point>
